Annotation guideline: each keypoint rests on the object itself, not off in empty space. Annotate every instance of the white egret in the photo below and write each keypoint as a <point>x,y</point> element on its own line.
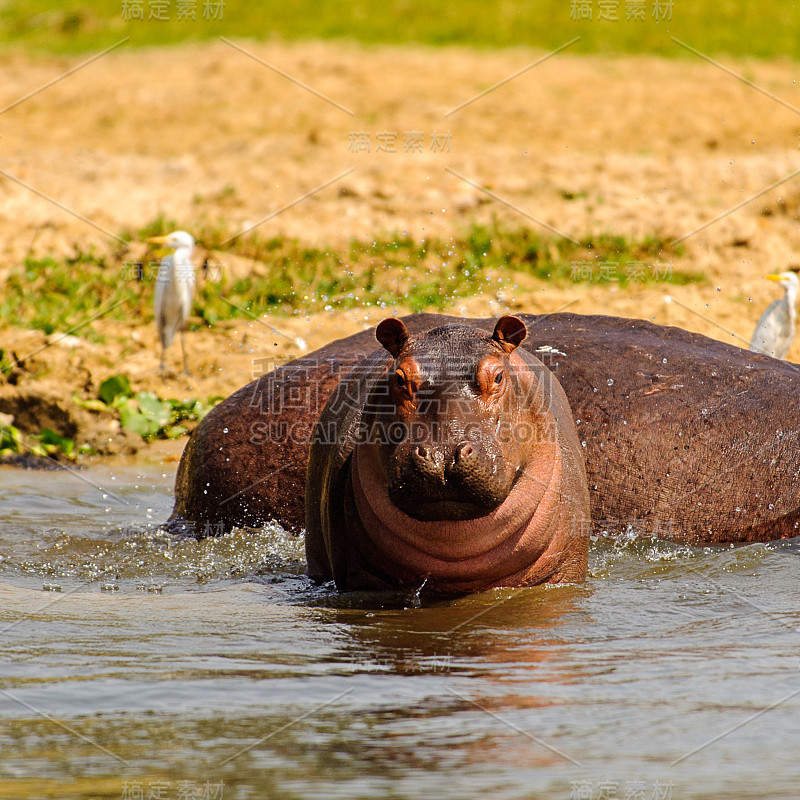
<point>774,333</point>
<point>174,291</point>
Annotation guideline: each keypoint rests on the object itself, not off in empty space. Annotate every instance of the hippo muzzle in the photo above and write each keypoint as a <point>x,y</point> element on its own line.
<point>432,480</point>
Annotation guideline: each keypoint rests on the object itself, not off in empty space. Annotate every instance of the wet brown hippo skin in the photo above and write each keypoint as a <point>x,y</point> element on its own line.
<point>694,440</point>
<point>452,459</point>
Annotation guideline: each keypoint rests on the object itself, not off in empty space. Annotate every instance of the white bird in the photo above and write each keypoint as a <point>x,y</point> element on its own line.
<point>174,291</point>
<point>774,333</point>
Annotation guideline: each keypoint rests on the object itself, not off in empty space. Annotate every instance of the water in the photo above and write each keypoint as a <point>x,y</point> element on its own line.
<point>150,667</point>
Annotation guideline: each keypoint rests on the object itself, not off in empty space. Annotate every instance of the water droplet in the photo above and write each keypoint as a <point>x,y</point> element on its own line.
<point>583,444</point>
<point>610,381</point>
<point>663,360</point>
<point>224,430</point>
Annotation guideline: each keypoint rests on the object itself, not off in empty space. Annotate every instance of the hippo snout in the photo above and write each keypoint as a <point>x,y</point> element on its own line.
<point>468,465</point>
<point>434,482</point>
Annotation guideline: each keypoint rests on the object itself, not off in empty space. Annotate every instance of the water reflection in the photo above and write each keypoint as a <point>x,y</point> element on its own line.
<point>508,626</point>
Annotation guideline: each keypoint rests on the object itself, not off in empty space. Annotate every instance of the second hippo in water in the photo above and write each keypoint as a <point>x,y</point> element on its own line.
<point>454,463</point>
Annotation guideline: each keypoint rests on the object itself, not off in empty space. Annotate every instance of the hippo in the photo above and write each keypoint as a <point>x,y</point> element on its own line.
<point>455,463</point>
<point>683,438</point>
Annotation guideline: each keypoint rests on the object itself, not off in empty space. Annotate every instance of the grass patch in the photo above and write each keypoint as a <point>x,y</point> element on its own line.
<point>144,413</point>
<point>55,295</point>
<point>734,27</point>
<point>288,277</point>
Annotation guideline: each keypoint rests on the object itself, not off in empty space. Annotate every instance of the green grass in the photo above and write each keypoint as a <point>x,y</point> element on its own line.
<point>54,295</point>
<point>734,27</point>
<point>289,278</point>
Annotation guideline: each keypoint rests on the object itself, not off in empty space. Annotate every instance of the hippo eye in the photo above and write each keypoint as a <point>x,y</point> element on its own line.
<point>498,379</point>
<point>400,378</point>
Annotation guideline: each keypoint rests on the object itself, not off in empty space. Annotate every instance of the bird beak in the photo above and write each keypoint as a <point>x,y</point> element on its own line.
<point>773,277</point>
<point>157,239</point>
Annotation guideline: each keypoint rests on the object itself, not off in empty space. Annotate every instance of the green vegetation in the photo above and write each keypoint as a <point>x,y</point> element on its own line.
<point>47,444</point>
<point>7,362</point>
<point>51,295</point>
<point>144,413</point>
<point>287,277</point>
<point>10,439</point>
<point>734,27</point>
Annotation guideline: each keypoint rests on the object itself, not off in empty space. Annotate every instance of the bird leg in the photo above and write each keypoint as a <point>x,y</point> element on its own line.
<point>163,367</point>
<point>183,348</point>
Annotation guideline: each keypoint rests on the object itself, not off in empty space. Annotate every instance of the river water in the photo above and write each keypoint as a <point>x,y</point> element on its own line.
<point>135,666</point>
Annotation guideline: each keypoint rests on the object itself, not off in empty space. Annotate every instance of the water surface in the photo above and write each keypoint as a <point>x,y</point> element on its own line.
<point>133,662</point>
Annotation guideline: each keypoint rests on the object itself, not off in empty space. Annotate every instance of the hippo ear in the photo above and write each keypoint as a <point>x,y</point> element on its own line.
<point>392,334</point>
<point>509,333</point>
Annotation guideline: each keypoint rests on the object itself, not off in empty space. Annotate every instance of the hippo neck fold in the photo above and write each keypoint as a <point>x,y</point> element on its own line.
<point>510,545</point>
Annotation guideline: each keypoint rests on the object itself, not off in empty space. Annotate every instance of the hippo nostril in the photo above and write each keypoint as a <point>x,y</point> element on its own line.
<point>464,452</point>
<point>422,453</point>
